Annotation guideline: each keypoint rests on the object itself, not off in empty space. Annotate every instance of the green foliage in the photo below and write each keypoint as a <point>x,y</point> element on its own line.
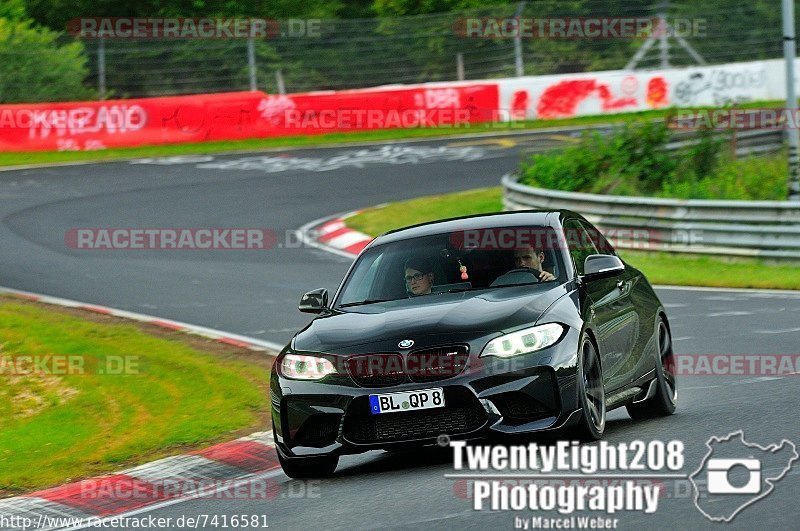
<point>35,67</point>
<point>159,67</point>
<point>12,9</point>
<point>142,67</point>
<point>399,8</point>
<point>633,161</point>
<point>57,13</point>
<point>702,158</point>
<point>752,178</point>
<point>411,41</point>
<point>568,170</point>
<point>637,154</point>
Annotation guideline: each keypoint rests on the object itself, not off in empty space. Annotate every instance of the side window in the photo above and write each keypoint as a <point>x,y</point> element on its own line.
<point>579,242</point>
<point>600,242</point>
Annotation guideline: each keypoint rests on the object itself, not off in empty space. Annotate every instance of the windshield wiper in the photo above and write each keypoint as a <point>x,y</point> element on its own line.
<point>366,301</point>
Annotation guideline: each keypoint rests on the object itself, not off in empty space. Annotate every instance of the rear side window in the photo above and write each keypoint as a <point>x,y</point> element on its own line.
<point>600,241</point>
<point>579,242</point>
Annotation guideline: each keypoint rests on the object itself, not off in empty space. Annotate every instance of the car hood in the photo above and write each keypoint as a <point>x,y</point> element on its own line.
<point>431,319</point>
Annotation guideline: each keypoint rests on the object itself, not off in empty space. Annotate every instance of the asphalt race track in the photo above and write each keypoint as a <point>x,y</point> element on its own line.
<point>255,293</point>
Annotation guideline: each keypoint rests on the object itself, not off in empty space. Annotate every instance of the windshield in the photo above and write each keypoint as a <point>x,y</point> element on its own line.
<point>452,262</point>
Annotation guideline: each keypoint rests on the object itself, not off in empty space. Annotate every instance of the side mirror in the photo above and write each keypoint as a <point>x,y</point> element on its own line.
<point>602,265</point>
<point>314,301</point>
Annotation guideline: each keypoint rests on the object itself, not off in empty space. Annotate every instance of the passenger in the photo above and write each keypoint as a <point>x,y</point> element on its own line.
<point>530,258</point>
<point>418,276</point>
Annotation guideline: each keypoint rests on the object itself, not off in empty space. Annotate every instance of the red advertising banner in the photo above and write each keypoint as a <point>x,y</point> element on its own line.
<point>78,126</point>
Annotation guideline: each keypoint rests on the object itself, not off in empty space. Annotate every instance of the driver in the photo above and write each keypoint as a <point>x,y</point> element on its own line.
<point>529,258</point>
<point>418,276</point>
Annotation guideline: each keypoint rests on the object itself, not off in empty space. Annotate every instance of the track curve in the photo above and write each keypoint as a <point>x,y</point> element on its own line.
<point>254,293</point>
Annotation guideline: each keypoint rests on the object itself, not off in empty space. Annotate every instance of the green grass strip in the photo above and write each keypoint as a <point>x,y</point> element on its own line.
<point>135,397</point>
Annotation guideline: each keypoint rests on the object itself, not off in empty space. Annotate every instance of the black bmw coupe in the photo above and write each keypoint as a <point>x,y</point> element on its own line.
<point>505,323</point>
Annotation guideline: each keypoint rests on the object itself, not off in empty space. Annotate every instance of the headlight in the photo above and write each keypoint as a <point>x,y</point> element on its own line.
<point>304,367</point>
<point>524,341</point>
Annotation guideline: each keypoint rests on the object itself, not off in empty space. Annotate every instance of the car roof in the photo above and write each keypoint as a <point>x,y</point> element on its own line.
<point>477,221</point>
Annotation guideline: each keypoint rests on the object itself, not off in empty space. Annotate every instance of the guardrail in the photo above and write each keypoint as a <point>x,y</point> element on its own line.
<point>766,229</point>
<point>743,142</point>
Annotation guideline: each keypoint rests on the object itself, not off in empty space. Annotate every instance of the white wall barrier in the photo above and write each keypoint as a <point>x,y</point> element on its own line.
<point>591,93</point>
<point>95,125</point>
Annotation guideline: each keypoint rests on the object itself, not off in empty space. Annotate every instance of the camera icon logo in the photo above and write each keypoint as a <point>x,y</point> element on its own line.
<point>718,479</point>
<point>735,474</point>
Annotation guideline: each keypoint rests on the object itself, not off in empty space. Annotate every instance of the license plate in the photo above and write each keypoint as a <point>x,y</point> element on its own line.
<point>406,401</point>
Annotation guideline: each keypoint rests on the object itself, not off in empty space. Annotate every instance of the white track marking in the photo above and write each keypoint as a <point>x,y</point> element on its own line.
<point>186,327</point>
<point>733,313</point>
<point>729,290</point>
<point>347,239</point>
<point>784,331</point>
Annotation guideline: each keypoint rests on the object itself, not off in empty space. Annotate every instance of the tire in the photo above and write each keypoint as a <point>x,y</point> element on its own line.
<point>591,393</point>
<point>308,467</point>
<point>663,402</point>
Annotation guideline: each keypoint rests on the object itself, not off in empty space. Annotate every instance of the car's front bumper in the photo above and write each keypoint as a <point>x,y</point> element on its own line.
<point>491,396</point>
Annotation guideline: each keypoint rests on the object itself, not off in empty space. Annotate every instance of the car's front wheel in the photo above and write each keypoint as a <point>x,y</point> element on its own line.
<point>308,467</point>
<point>663,401</point>
<point>591,393</point>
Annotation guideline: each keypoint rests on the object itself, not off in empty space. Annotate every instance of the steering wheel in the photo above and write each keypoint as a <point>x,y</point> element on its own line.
<point>520,275</point>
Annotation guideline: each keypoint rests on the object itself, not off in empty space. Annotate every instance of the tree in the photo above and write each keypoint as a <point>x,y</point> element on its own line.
<point>12,9</point>
<point>34,67</point>
<point>399,8</point>
<point>57,13</point>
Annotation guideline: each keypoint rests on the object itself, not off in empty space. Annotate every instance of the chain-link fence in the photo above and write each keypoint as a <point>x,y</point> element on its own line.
<point>353,53</point>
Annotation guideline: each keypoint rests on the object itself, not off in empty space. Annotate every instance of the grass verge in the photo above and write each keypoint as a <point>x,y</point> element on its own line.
<point>660,267</point>
<point>256,144</point>
<point>84,394</point>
